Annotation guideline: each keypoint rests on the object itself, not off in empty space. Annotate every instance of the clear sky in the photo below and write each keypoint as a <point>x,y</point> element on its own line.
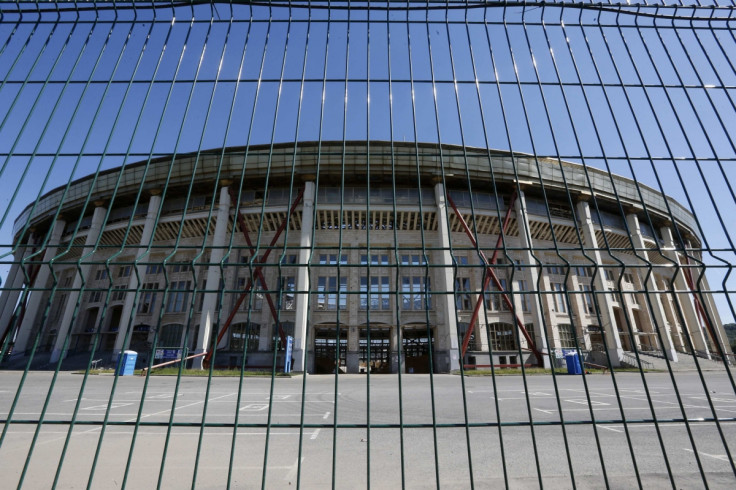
<point>612,91</point>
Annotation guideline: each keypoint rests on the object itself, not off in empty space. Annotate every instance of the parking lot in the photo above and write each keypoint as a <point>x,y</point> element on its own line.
<point>426,430</point>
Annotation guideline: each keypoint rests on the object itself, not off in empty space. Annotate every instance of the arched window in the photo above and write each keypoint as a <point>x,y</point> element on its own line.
<point>170,335</point>
<point>242,333</point>
<point>501,336</point>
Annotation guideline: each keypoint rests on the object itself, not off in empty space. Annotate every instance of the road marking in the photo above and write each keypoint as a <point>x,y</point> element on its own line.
<point>315,434</point>
<point>548,412</point>
<point>113,406</point>
<point>719,457</point>
<point>609,428</point>
<point>725,400</point>
<point>327,414</point>
<point>254,407</point>
<point>585,402</point>
<point>293,469</point>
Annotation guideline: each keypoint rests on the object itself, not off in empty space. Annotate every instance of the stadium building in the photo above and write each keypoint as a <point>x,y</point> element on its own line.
<point>372,257</point>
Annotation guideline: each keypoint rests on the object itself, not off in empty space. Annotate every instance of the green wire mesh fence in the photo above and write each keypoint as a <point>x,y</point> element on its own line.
<point>389,244</point>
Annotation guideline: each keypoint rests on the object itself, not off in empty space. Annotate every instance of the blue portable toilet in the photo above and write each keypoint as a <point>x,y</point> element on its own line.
<point>127,366</point>
<point>573,363</point>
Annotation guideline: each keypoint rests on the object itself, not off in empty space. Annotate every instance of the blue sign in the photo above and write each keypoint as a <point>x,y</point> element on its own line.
<point>289,348</point>
<point>168,354</point>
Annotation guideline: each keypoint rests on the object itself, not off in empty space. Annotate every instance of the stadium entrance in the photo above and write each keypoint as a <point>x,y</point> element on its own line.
<point>417,347</point>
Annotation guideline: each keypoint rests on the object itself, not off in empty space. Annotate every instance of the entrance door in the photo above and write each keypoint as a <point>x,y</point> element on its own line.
<point>327,358</point>
<point>417,347</point>
<point>377,359</point>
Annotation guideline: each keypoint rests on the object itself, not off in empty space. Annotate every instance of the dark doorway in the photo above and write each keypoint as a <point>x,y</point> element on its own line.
<point>417,347</point>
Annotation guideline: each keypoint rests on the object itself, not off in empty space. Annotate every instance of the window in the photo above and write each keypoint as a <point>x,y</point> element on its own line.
<point>628,278</point>
<point>608,274</point>
<point>331,259</point>
<point>256,293</point>
<point>289,259</point>
<point>379,289</point>
<point>200,297</point>
<point>415,293</point>
<point>118,294</point>
<point>413,259</point>
<point>288,328</point>
<point>494,299</point>
<point>462,329</point>
<point>95,296</point>
<point>170,335</point>
<point>567,335</point>
<point>376,259</point>
<point>327,297</point>
<point>59,304</point>
<point>461,260</point>
<point>124,271</point>
<point>288,298</point>
<point>178,268</point>
<point>462,294</point>
<point>244,336</point>
<point>588,303</point>
<point>582,271</point>
<point>66,282</point>
<point>556,270</point>
<point>501,336</point>
<point>154,269</point>
<point>525,298</point>
<point>178,295</point>
<point>100,274</point>
<point>148,298</point>
<point>254,300</point>
<point>531,331</point>
<point>559,304</point>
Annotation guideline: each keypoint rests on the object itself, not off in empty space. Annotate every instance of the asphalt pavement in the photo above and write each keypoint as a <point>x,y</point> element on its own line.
<point>417,431</point>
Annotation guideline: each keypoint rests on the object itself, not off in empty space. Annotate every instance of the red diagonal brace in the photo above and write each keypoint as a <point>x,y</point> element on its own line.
<point>492,276</point>
<point>257,271</point>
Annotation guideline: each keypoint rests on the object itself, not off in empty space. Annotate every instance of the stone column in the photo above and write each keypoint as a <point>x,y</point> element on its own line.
<point>531,274</point>
<point>208,317</point>
<point>34,308</point>
<point>447,356</point>
<point>352,356</point>
<point>127,317</point>
<point>93,235</point>
<point>659,316</point>
<point>715,318</point>
<point>577,300</point>
<point>612,340</point>
<point>303,280</point>
<point>12,289</point>
<point>684,297</point>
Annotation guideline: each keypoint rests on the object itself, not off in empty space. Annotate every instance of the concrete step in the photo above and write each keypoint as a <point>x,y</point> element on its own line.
<point>685,362</point>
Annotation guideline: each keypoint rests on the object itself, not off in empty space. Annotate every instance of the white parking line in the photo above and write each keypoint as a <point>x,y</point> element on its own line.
<point>719,457</point>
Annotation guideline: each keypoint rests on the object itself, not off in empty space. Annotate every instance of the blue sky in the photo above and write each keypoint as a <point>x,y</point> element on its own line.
<point>656,104</point>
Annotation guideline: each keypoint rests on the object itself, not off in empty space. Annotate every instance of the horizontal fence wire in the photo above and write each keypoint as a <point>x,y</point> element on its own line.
<point>439,243</point>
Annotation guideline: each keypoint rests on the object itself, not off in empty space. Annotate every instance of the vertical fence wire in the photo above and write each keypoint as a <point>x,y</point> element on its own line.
<point>385,184</point>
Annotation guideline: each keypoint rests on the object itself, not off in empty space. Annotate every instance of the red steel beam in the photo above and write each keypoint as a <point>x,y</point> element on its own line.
<point>257,271</point>
<point>492,275</point>
<point>476,311</point>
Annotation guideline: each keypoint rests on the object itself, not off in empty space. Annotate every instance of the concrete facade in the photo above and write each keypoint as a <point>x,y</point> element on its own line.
<point>382,280</point>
